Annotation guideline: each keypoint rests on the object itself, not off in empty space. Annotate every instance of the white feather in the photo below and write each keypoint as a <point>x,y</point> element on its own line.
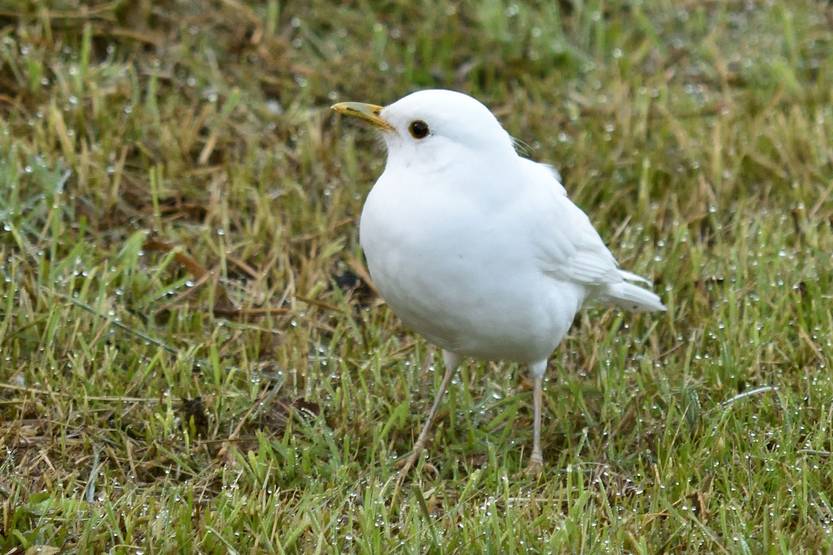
<point>479,249</point>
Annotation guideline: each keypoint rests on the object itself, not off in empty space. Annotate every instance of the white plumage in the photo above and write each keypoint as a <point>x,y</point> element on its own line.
<point>476,248</point>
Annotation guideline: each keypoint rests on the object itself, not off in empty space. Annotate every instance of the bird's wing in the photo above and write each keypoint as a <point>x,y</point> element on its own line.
<point>568,246</point>
<point>544,173</point>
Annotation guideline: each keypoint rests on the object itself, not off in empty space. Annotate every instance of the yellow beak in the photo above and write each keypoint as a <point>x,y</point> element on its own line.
<point>367,112</point>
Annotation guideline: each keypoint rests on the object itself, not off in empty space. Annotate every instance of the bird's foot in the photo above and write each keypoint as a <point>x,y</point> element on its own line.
<point>535,466</point>
<point>405,465</point>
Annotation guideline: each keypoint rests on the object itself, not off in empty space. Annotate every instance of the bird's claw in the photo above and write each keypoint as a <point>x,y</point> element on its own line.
<point>405,465</point>
<point>535,466</point>
<point>404,469</point>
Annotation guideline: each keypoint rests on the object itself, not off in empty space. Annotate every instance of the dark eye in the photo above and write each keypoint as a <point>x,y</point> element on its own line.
<point>418,129</point>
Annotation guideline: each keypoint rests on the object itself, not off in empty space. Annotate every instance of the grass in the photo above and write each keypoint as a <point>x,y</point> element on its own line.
<point>192,362</point>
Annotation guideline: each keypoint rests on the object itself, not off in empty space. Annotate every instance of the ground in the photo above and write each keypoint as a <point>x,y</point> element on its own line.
<point>194,361</point>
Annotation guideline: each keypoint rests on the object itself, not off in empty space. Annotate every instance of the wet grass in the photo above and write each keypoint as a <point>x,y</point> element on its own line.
<point>192,361</point>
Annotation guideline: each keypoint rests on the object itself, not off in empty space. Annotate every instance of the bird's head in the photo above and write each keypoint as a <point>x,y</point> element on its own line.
<point>433,127</point>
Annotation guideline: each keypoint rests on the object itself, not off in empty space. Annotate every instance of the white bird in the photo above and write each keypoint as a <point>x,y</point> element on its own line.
<point>476,248</point>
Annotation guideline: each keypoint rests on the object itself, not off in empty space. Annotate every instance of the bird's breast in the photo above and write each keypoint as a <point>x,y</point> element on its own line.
<point>457,274</point>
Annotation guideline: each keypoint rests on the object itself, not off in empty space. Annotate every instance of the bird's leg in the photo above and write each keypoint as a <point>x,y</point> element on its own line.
<point>451,361</point>
<point>536,461</point>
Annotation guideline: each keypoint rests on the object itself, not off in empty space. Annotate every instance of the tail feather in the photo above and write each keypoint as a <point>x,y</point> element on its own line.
<point>632,297</point>
<point>628,276</point>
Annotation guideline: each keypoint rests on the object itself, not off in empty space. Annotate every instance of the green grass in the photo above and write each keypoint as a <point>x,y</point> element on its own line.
<point>181,369</point>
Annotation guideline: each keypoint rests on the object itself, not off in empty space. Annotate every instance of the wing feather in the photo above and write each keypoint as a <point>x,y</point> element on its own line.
<point>569,247</point>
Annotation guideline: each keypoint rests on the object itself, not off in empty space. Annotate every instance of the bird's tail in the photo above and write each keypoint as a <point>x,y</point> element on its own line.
<point>632,297</point>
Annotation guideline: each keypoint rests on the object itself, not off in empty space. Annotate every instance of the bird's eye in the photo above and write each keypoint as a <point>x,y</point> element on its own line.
<point>418,129</point>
